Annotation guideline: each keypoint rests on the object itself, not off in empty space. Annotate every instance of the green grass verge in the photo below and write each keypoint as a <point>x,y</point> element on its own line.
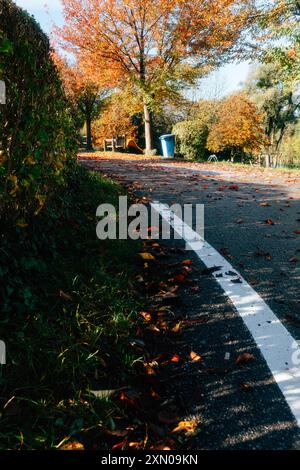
<point>66,317</point>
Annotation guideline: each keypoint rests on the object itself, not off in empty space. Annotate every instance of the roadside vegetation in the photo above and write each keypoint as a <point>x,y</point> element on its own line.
<point>67,315</point>
<point>66,309</point>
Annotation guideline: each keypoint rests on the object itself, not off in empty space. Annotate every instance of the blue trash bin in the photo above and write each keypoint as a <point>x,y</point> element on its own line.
<point>168,145</point>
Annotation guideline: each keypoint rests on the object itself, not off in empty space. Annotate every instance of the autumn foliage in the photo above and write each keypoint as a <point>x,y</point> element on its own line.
<point>157,46</point>
<point>116,119</point>
<point>239,127</point>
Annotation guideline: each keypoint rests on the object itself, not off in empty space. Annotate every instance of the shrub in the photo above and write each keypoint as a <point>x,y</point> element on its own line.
<point>192,134</point>
<point>191,137</point>
<point>36,136</point>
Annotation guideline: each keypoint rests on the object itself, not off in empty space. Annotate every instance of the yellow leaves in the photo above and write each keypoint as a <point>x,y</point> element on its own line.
<point>177,327</point>
<point>72,446</point>
<point>189,427</point>
<point>146,256</point>
<point>239,125</point>
<point>41,202</point>
<point>30,161</point>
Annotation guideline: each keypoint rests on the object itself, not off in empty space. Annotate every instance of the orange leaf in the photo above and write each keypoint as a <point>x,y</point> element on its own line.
<point>177,327</point>
<point>195,357</point>
<point>189,427</point>
<point>269,222</point>
<point>146,256</point>
<point>175,358</point>
<point>146,316</point>
<point>72,446</point>
<point>187,262</point>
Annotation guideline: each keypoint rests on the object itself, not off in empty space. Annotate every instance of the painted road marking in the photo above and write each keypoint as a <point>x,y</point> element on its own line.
<point>278,347</point>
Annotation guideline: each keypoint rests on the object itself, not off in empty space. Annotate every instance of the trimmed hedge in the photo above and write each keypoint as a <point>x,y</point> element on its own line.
<point>36,128</point>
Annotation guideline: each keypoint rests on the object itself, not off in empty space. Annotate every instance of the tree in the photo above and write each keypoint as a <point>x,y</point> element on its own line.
<point>239,127</point>
<point>158,46</point>
<point>117,117</point>
<point>277,99</point>
<point>86,93</point>
<point>192,133</point>
<point>290,149</point>
<point>282,22</point>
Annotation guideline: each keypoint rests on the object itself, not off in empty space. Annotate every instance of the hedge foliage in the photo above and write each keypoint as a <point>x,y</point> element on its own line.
<point>191,138</point>
<point>36,128</point>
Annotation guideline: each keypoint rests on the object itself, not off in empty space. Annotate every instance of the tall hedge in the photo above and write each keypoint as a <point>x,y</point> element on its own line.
<point>36,129</point>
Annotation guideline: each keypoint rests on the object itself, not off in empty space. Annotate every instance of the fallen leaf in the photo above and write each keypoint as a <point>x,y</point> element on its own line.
<point>175,358</point>
<point>177,327</point>
<point>189,427</point>
<point>119,445</point>
<point>179,278</point>
<point>72,446</point>
<point>146,316</point>
<point>187,262</point>
<point>149,369</point>
<point>135,445</point>
<point>161,447</point>
<point>244,358</point>
<point>265,204</point>
<point>146,256</point>
<point>153,328</point>
<point>195,357</point>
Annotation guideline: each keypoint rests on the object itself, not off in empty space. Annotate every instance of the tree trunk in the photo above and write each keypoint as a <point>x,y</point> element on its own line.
<point>89,144</point>
<point>148,130</point>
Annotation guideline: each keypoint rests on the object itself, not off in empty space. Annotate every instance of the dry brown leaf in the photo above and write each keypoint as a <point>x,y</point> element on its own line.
<point>244,358</point>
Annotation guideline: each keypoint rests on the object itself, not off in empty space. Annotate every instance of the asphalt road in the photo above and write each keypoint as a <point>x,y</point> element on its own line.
<point>250,217</point>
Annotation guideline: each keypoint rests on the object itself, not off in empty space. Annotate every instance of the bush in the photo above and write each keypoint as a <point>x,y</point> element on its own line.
<point>191,137</point>
<point>36,128</point>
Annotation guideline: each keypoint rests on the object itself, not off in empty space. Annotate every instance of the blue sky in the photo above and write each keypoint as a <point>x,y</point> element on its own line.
<point>219,83</point>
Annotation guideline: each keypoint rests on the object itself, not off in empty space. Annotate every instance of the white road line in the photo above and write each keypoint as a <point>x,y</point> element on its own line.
<point>279,348</point>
